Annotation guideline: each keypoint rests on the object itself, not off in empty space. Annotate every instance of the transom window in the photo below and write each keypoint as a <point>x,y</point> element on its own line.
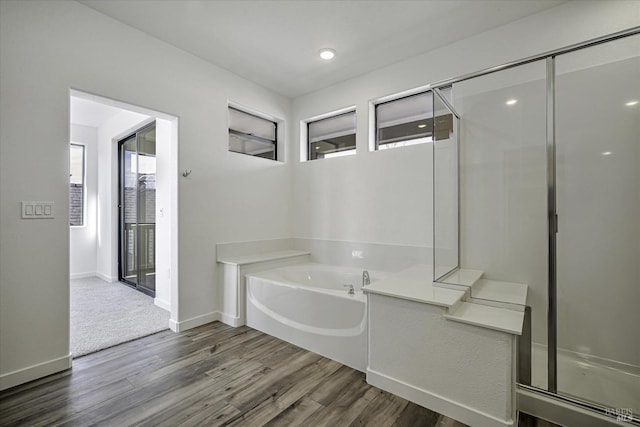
<point>252,135</point>
<point>332,136</point>
<point>404,121</point>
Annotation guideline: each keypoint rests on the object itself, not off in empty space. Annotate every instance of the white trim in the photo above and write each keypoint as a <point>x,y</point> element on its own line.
<point>333,113</point>
<point>254,112</point>
<point>194,322</point>
<point>106,278</point>
<point>84,94</point>
<point>436,403</point>
<point>230,320</point>
<point>30,373</point>
<point>402,94</point>
<point>372,125</point>
<point>162,304</point>
<point>82,275</point>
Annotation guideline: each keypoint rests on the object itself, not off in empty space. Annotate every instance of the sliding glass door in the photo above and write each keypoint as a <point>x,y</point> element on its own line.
<point>137,195</point>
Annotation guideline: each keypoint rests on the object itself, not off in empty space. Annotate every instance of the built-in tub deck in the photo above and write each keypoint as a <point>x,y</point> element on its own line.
<point>462,304</point>
<point>413,337</point>
<point>427,338</point>
<point>261,257</point>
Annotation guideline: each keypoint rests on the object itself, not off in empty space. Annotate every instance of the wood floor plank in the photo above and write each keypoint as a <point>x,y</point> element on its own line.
<point>285,391</point>
<point>448,422</point>
<point>206,406</point>
<point>416,416</point>
<point>296,414</point>
<point>329,389</point>
<point>146,408</point>
<point>270,382</point>
<point>345,409</point>
<point>212,375</point>
<point>65,410</point>
<point>382,411</point>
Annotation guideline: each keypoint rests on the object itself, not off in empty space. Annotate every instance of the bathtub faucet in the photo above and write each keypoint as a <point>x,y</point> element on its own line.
<point>351,290</point>
<point>366,280</point>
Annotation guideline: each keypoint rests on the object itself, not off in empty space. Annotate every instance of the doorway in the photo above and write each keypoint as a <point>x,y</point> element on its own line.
<point>137,210</point>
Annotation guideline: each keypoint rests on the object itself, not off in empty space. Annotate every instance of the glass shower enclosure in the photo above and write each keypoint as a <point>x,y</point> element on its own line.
<point>544,189</point>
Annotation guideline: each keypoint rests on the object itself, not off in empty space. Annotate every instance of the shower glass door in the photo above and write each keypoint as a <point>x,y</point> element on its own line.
<point>598,239</point>
<point>137,190</point>
<point>503,193</point>
<point>446,256</point>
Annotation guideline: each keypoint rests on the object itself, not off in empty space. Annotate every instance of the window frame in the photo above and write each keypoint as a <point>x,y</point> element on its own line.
<point>395,98</point>
<point>343,112</point>
<point>83,221</point>
<point>259,116</point>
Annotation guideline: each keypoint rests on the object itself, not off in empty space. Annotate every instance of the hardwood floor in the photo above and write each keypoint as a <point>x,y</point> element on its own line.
<point>212,375</point>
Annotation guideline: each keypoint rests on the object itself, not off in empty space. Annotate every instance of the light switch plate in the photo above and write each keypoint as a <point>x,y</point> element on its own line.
<point>37,210</point>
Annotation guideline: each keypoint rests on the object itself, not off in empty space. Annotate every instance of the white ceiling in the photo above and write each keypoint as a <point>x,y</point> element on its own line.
<point>275,42</point>
<point>90,113</point>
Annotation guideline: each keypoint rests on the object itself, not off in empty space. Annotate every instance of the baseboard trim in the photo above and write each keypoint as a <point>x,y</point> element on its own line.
<point>230,320</point>
<point>162,304</point>
<point>82,275</point>
<point>194,322</point>
<point>34,372</point>
<point>106,278</point>
<point>436,403</point>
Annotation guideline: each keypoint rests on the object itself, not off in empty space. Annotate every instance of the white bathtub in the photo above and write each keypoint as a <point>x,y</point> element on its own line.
<point>307,305</point>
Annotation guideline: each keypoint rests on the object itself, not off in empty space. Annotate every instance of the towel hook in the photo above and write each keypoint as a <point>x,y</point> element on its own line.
<point>186,172</point>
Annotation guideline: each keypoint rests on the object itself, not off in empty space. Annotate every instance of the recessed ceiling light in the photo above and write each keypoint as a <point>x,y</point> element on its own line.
<point>327,54</point>
<point>511,102</point>
<point>606,153</point>
<point>632,103</point>
<point>422,126</point>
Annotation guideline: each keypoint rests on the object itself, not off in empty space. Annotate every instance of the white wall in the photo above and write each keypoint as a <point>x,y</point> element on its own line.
<point>45,49</point>
<point>83,248</point>
<point>377,197</point>
<point>166,165</point>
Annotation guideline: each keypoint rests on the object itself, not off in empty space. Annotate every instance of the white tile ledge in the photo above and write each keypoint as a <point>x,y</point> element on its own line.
<point>505,292</point>
<point>261,257</point>
<point>462,277</point>
<point>414,284</point>
<point>499,319</point>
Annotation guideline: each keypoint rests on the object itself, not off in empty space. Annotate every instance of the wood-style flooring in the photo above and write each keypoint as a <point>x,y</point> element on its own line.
<point>212,375</point>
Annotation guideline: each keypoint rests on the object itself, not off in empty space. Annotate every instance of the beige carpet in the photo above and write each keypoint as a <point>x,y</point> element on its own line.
<point>105,314</point>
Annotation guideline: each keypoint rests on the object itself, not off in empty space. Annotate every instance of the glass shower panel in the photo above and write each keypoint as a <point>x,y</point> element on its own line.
<point>445,188</point>
<point>598,240</point>
<point>503,189</point>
